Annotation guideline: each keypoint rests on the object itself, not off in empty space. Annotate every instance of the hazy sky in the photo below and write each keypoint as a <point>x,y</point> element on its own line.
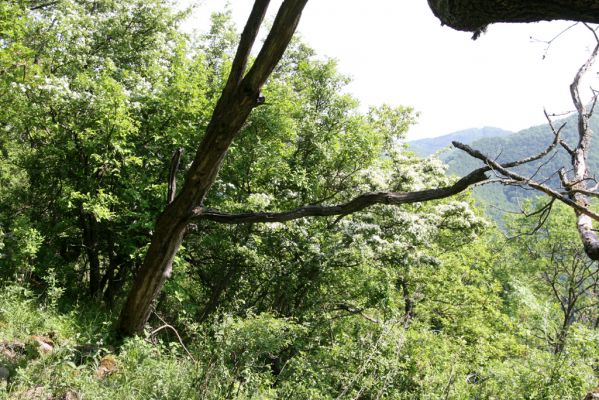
<point>397,53</point>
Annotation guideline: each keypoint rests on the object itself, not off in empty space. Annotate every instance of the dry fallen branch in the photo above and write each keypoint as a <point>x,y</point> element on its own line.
<point>172,328</point>
<point>527,181</point>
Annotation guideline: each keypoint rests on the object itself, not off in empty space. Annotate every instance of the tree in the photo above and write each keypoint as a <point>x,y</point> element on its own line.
<point>101,94</point>
<point>576,181</point>
<point>241,94</point>
<point>560,272</point>
<point>476,15</point>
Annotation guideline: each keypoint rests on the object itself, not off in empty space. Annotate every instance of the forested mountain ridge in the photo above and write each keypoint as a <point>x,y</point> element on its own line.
<point>519,145</point>
<point>426,147</point>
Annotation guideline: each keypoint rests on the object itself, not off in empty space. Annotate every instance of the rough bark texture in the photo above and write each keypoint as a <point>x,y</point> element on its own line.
<point>475,15</point>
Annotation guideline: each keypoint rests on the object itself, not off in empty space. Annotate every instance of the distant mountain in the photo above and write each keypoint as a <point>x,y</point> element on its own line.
<point>516,146</point>
<point>426,147</point>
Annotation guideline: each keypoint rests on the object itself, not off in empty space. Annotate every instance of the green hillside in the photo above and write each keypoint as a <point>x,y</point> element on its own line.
<point>517,146</point>
<point>428,146</point>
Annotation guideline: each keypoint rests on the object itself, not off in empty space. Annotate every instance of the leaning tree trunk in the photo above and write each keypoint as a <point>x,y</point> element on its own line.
<point>240,96</point>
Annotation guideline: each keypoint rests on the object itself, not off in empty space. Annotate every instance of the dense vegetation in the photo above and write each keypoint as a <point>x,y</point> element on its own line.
<point>428,300</point>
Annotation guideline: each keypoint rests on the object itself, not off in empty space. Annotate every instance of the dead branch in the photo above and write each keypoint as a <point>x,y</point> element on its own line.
<point>359,203</point>
<point>524,180</point>
<point>169,326</point>
<point>354,310</point>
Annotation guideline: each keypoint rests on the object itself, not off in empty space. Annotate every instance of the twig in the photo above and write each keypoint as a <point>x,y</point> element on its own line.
<point>550,41</point>
<point>169,326</point>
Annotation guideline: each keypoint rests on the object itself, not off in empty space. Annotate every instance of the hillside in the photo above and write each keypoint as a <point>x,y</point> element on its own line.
<point>516,146</point>
<point>428,146</point>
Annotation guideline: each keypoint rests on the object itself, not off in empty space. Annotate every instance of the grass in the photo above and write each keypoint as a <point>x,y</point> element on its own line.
<point>69,354</point>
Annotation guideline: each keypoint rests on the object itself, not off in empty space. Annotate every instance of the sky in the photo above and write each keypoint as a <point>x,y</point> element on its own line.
<point>396,52</point>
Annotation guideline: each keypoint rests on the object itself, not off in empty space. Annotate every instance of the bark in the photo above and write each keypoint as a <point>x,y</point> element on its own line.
<point>408,301</point>
<point>89,227</point>
<point>172,175</point>
<point>475,15</point>
<point>239,97</point>
<point>579,155</point>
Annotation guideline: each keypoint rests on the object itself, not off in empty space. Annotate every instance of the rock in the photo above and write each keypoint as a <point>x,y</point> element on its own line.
<point>107,366</point>
<point>70,395</point>
<point>4,373</point>
<point>36,393</point>
<point>10,350</point>
<point>8,354</point>
<point>44,345</point>
<point>593,394</point>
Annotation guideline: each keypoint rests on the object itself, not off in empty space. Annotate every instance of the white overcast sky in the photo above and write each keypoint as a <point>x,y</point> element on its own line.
<point>396,52</point>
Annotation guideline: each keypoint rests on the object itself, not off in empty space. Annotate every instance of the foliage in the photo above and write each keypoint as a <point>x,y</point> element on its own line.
<point>424,301</point>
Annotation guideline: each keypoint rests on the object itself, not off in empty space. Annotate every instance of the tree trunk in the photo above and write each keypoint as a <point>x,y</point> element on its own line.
<point>240,96</point>
<point>475,15</point>
<point>580,166</point>
<point>112,281</point>
<point>89,228</point>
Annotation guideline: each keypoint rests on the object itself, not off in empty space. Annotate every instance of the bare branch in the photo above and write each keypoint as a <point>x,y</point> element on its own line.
<point>583,129</point>
<point>556,132</point>
<point>563,177</point>
<point>513,163</point>
<point>43,5</point>
<point>550,41</point>
<point>354,310</point>
<point>275,44</point>
<point>246,42</point>
<point>502,181</point>
<point>584,192</point>
<point>535,185</point>
<point>541,165</point>
<point>169,326</point>
<point>357,204</point>
<point>594,103</point>
<point>543,212</point>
